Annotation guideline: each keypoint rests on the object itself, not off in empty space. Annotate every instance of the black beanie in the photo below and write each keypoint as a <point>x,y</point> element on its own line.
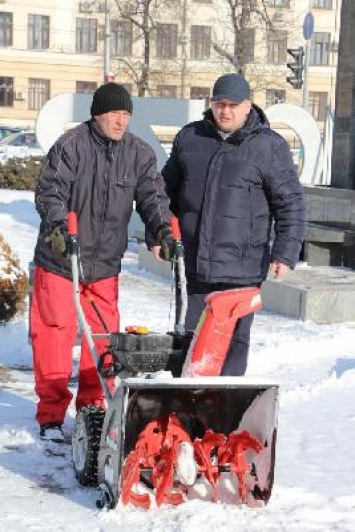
<point>111,97</point>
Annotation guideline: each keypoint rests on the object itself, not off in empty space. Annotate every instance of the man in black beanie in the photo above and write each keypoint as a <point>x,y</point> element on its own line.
<point>229,176</point>
<point>97,169</point>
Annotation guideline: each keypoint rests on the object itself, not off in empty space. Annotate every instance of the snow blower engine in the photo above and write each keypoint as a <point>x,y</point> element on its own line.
<point>174,429</point>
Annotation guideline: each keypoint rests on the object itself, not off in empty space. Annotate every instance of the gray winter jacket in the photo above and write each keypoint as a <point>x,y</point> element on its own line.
<point>99,179</point>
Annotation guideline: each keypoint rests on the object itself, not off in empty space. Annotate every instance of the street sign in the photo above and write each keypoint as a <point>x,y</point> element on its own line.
<point>308,26</point>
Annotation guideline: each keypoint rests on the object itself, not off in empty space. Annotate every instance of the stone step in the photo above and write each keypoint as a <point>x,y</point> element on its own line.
<point>322,294</point>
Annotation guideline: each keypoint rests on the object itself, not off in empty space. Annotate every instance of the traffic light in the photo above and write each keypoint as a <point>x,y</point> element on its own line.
<point>296,66</point>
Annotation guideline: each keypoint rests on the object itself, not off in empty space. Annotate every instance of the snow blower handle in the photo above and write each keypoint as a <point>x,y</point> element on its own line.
<point>180,275</point>
<point>73,233</point>
<point>74,258</point>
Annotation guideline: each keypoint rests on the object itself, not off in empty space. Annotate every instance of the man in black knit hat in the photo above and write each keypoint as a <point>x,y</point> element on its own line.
<point>98,169</point>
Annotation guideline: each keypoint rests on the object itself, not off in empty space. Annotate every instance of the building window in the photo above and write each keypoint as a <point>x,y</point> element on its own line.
<point>248,36</point>
<point>322,4</point>
<point>166,91</point>
<point>6,92</point>
<point>38,32</point>
<point>320,46</point>
<point>200,42</point>
<point>38,92</point>
<point>279,3</point>
<point>317,105</point>
<point>5,29</point>
<point>121,37</point>
<point>86,87</point>
<point>274,96</point>
<point>86,35</point>
<point>200,93</point>
<point>166,41</point>
<point>277,47</point>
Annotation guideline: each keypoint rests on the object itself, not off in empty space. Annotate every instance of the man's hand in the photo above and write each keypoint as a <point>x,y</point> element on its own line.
<point>156,253</point>
<point>166,243</point>
<point>278,269</point>
<point>57,238</point>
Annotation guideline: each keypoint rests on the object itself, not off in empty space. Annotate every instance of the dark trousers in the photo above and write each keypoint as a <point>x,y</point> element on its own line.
<point>237,356</point>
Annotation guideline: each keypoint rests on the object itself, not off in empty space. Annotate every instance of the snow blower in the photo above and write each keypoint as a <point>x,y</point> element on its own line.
<point>173,428</point>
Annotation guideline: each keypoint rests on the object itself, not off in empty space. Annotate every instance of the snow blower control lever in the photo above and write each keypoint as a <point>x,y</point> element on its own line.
<point>179,263</point>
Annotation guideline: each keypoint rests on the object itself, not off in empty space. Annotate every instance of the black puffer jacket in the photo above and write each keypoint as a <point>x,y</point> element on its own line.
<point>99,179</point>
<point>226,194</point>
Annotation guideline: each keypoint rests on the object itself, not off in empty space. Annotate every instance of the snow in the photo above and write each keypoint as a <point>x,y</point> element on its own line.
<point>314,366</point>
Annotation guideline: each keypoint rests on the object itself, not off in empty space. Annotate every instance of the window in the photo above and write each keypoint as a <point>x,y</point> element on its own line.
<point>320,46</point>
<point>274,96</point>
<point>322,4</point>
<point>5,29</point>
<point>6,92</point>
<point>200,93</point>
<point>317,105</point>
<point>166,91</point>
<point>121,37</point>
<point>86,35</point>
<point>248,36</point>
<point>38,32</point>
<point>279,3</point>
<point>277,47</point>
<point>166,40</point>
<point>200,42</point>
<point>38,92</point>
<point>87,87</point>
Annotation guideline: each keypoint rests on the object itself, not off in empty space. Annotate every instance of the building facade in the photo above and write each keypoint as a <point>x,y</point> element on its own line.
<point>177,49</point>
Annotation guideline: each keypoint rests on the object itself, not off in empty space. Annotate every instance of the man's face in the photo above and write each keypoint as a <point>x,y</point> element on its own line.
<point>113,124</point>
<point>229,115</point>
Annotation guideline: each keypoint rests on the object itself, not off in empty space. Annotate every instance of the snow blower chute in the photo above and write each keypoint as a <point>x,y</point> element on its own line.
<point>173,428</point>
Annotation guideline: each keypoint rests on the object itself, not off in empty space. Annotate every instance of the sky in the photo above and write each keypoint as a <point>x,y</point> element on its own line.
<point>313,365</point>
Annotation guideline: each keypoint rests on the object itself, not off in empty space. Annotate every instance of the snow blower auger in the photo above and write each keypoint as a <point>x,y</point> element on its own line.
<point>173,428</point>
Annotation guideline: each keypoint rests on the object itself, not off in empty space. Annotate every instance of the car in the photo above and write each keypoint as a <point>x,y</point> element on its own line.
<point>21,144</point>
<point>5,131</point>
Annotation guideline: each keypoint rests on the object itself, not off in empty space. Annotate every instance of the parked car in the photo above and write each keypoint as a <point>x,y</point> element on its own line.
<point>5,131</point>
<point>22,144</point>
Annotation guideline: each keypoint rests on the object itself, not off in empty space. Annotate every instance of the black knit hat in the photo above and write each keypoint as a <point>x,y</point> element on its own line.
<point>111,97</point>
<point>231,87</point>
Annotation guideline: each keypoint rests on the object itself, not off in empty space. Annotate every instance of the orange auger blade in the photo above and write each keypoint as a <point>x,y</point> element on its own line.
<point>234,455</point>
<point>203,451</point>
<point>156,449</point>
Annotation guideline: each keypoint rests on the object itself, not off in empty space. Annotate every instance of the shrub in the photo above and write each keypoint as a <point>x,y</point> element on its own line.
<point>20,174</point>
<point>13,284</point>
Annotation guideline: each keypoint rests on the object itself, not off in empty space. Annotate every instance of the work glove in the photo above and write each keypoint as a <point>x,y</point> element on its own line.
<point>57,238</point>
<point>166,243</point>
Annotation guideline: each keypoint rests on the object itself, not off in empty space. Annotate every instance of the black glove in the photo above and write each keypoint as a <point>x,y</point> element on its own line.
<point>166,241</point>
<point>57,238</point>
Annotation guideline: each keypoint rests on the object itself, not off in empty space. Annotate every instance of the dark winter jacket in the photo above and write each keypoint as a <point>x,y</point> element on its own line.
<point>226,193</point>
<point>99,179</point>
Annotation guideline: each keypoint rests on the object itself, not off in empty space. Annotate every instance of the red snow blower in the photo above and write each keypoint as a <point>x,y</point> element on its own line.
<point>173,428</point>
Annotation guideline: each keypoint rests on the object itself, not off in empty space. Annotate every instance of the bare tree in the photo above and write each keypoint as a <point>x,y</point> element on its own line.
<point>242,15</point>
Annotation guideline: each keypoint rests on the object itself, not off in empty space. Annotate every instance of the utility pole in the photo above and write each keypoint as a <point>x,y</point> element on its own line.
<point>308,30</point>
<point>107,43</point>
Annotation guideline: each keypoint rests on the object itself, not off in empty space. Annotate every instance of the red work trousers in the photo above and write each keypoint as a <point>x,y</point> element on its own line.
<point>53,334</point>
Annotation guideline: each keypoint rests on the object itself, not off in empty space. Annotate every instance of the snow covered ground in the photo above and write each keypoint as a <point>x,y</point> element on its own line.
<point>314,486</point>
